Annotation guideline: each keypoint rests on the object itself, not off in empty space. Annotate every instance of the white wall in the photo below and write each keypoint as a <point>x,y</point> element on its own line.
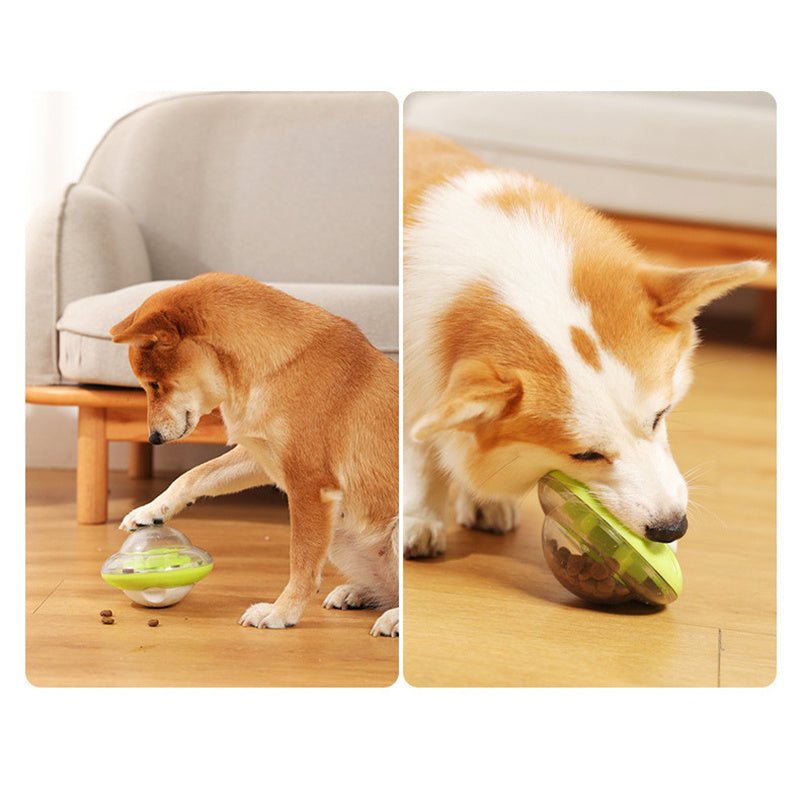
<point>64,128</point>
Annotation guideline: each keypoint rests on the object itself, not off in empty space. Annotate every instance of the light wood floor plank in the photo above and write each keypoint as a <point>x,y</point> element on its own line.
<point>746,659</point>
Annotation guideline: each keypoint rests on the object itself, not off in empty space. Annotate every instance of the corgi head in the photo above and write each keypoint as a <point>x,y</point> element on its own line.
<point>175,368</point>
<point>568,352</point>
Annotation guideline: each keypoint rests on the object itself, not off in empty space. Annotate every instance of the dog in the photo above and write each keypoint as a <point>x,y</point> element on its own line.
<point>311,407</point>
<point>536,337</point>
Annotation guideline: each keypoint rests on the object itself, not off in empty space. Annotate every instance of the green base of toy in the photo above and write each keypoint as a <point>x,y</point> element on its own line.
<point>162,567</point>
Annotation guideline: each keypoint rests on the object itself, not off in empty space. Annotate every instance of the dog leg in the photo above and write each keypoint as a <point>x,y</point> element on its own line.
<point>234,471</point>
<point>311,515</point>
<point>494,516</point>
<point>371,565</point>
<point>425,504</point>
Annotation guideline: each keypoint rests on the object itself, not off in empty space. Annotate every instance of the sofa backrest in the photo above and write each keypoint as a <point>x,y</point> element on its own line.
<point>280,186</point>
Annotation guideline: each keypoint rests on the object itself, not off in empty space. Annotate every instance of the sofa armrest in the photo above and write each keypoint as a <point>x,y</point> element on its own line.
<point>81,242</point>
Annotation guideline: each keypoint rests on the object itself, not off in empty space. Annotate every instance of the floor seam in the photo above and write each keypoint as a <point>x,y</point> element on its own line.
<point>48,596</point>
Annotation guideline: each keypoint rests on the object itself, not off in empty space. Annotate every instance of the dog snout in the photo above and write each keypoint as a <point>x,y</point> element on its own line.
<point>665,531</point>
<point>156,438</point>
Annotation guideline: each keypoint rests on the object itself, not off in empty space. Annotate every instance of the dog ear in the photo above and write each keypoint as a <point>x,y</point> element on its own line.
<point>146,331</point>
<point>476,393</point>
<point>679,294</point>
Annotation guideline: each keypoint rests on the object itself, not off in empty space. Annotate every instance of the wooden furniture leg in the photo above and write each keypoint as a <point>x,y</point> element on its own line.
<point>140,460</point>
<point>765,323</point>
<point>92,471</point>
<point>112,415</point>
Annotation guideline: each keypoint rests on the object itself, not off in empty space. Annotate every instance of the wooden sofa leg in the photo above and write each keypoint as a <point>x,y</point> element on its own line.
<point>764,324</point>
<point>140,460</point>
<point>92,489</point>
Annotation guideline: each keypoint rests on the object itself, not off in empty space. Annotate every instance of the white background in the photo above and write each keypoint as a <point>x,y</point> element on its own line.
<point>397,742</point>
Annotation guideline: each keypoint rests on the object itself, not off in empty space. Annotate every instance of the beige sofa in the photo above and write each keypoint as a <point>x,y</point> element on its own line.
<point>702,157</point>
<point>691,175</point>
<point>296,189</point>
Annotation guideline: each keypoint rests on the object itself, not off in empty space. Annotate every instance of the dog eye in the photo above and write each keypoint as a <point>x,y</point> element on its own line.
<point>153,385</point>
<point>659,415</point>
<point>589,455</point>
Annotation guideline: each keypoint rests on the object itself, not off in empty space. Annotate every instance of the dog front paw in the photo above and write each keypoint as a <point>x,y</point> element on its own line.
<point>155,513</point>
<point>347,595</point>
<point>387,624</point>
<point>494,516</point>
<point>423,538</point>
<point>265,615</point>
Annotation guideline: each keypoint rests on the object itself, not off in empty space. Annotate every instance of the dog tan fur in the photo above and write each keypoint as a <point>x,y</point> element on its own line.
<point>312,408</point>
<point>537,336</point>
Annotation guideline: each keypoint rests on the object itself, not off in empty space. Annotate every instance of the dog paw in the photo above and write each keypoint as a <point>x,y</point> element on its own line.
<point>265,615</point>
<point>495,516</point>
<point>155,513</point>
<point>423,538</point>
<point>347,595</point>
<point>387,624</point>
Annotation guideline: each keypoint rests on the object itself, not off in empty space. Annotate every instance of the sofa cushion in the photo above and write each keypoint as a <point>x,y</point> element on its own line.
<point>87,354</point>
<point>697,156</point>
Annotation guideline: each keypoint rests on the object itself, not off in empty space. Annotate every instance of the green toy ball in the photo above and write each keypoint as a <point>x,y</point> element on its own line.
<point>594,556</point>
<point>156,566</point>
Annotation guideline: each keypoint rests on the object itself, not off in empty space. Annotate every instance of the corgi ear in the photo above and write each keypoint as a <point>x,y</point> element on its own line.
<point>476,393</point>
<point>679,294</point>
<point>146,331</point>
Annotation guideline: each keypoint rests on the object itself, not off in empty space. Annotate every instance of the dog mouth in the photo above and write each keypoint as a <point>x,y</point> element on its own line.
<point>156,437</point>
<point>189,426</point>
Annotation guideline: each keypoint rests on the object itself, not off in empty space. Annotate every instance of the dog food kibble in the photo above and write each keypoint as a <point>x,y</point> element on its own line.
<point>106,612</point>
<point>107,620</point>
<point>153,623</point>
<point>584,576</point>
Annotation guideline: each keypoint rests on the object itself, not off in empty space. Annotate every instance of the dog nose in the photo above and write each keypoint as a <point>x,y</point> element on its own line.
<point>156,438</point>
<point>667,532</point>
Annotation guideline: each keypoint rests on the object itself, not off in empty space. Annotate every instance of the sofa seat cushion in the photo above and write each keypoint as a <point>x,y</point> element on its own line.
<point>705,157</point>
<point>87,354</point>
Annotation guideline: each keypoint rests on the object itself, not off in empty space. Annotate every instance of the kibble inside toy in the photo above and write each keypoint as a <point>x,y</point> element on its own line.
<point>156,566</point>
<point>594,556</point>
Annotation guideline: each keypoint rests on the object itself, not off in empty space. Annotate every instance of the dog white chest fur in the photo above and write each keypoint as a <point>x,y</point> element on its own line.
<point>536,337</point>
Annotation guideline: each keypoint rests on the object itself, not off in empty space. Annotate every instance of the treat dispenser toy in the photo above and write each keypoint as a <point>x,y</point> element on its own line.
<point>156,566</point>
<point>595,556</point>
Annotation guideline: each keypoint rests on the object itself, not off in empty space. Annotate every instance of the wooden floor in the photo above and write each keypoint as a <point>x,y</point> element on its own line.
<point>198,641</point>
<point>489,612</point>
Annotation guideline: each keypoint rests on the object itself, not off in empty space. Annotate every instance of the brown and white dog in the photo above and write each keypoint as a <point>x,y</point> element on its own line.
<point>536,337</point>
<point>312,408</point>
